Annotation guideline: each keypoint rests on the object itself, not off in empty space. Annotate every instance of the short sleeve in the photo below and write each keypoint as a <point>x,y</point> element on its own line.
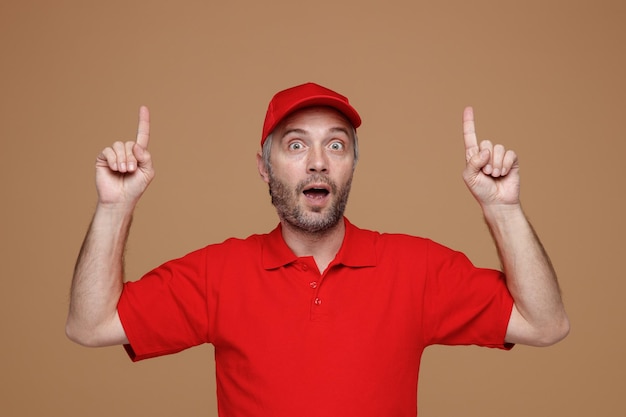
<point>464,305</point>
<point>166,310</point>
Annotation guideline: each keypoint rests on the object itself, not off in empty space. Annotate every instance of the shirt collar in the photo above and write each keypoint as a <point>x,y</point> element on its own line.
<point>357,250</point>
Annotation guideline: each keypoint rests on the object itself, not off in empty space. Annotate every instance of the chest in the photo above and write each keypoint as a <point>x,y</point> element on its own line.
<point>295,305</point>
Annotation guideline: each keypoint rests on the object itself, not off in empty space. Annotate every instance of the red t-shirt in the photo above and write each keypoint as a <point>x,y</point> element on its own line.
<point>290,341</point>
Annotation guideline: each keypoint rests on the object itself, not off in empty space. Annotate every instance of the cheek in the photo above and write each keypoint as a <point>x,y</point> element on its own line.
<point>346,172</point>
<point>287,168</point>
<point>281,174</point>
<point>286,175</point>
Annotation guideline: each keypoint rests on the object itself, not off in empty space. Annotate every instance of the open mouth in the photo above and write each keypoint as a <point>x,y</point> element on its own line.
<point>316,192</point>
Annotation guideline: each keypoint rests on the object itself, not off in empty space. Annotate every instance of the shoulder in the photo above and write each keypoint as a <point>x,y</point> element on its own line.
<point>400,244</point>
<point>387,239</point>
<point>242,246</point>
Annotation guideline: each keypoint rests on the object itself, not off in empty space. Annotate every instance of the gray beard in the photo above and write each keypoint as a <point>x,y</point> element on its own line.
<point>286,202</point>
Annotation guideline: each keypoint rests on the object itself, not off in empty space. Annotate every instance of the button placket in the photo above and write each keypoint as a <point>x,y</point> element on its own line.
<point>315,286</point>
<point>319,309</point>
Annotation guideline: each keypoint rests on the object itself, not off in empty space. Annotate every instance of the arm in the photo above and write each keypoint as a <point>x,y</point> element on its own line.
<point>123,172</point>
<point>492,176</point>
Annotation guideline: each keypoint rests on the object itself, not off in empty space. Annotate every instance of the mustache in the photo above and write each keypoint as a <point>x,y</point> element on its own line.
<point>316,179</point>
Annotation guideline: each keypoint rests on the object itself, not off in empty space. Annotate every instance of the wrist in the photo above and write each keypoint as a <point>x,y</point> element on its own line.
<point>501,213</point>
<point>118,207</point>
<point>114,213</point>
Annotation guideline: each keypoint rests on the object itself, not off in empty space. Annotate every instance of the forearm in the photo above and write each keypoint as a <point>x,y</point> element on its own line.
<point>98,280</point>
<point>539,316</point>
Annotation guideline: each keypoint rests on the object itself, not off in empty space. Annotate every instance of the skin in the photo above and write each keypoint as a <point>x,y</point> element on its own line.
<point>123,172</point>
<point>313,147</point>
<point>492,176</point>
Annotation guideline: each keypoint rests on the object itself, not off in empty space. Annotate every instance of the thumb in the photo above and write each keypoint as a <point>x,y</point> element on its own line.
<point>479,160</point>
<point>144,160</point>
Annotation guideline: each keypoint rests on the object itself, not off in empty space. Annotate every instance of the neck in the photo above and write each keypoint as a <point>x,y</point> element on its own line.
<point>322,246</point>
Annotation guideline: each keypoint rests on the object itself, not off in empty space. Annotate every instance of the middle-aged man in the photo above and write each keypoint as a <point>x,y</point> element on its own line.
<point>318,317</point>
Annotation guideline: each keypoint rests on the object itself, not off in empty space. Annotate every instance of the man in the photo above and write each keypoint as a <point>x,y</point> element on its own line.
<point>317,317</point>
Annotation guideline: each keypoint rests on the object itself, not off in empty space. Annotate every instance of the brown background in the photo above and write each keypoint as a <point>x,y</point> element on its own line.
<point>546,78</point>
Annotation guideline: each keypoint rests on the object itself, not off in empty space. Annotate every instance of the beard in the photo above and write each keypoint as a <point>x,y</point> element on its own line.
<point>317,220</point>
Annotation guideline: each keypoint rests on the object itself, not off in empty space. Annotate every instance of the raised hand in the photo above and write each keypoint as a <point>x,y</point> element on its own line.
<point>124,170</point>
<point>491,172</point>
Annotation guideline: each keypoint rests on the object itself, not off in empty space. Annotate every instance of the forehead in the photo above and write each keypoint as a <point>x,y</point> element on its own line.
<point>315,118</point>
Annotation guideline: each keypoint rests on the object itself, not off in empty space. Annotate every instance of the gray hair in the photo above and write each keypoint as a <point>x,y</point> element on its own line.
<point>267,149</point>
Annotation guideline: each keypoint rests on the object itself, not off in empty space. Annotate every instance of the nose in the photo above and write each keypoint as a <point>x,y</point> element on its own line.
<point>317,160</point>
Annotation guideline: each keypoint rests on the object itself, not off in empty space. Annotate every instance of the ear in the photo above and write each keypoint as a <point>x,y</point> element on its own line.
<point>263,172</point>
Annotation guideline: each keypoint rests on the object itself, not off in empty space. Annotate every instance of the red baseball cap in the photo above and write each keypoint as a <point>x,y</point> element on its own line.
<point>305,95</point>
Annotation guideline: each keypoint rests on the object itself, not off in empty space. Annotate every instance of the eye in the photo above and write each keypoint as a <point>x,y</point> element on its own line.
<point>295,146</point>
<point>336,146</point>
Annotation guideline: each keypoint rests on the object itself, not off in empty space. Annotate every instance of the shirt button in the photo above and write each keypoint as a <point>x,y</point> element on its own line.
<point>305,267</point>
<point>318,302</point>
<point>313,284</point>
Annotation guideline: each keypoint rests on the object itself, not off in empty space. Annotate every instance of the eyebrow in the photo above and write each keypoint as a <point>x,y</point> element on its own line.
<point>290,131</point>
<point>304,132</point>
<point>340,129</point>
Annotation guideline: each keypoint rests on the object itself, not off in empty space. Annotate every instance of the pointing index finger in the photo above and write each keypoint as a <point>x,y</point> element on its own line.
<point>143,129</point>
<point>469,133</point>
